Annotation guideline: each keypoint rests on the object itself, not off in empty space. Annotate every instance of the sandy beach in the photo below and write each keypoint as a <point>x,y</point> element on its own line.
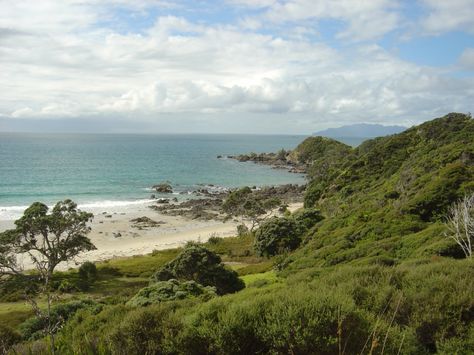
<point>115,235</point>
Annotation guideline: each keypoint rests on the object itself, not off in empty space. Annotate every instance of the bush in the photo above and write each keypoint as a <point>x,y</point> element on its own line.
<point>67,286</point>
<point>34,327</point>
<point>197,263</point>
<point>170,290</point>
<point>88,271</point>
<point>214,240</point>
<point>299,320</point>
<point>277,235</point>
<point>143,331</point>
<point>306,218</point>
<point>8,337</point>
<point>242,230</point>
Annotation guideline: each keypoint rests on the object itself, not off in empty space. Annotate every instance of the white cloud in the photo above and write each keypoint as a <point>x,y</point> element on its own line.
<point>467,59</point>
<point>60,66</point>
<point>364,19</point>
<point>449,15</point>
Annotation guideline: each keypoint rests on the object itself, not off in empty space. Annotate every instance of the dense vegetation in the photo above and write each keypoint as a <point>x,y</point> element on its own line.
<point>376,275</point>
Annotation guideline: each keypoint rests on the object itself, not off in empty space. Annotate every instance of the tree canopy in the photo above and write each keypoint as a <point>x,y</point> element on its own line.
<point>197,263</point>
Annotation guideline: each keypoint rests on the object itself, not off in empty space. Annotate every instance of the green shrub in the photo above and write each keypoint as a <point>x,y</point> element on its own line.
<point>306,218</point>
<point>214,240</point>
<point>277,235</point>
<point>34,327</point>
<point>170,290</point>
<point>8,337</point>
<point>242,230</point>
<point>88,271</point>
<point>197,263</point>
<point>67,286</point>
<point>144,331</point>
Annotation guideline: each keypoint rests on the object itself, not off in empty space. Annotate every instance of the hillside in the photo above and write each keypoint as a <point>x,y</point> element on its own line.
<point>393,187</point>
<point>368,269</point>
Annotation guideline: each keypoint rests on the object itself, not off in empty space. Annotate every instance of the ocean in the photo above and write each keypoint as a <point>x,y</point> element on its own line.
<point>104,171</point>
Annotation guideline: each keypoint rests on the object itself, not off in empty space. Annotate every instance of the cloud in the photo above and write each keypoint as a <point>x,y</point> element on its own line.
<point>56,65</point>
<point>444,16</point>
<point>363,20</point>
<point>467,59</point>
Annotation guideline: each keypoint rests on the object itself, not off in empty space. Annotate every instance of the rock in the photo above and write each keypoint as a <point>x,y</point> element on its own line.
<point>174,199</point>
<point>152,197</point>
<point>164,188</point>
<point>219,156</point>
<point>163,200</point>
<point>117,235</point>
<point>145,222</point>
<point>108,216</point>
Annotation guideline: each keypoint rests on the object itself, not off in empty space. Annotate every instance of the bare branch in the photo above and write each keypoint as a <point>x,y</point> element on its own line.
<point>460,222</point>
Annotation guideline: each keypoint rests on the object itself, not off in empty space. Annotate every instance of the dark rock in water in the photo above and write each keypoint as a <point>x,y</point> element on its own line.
<point>117,235</point>
<point>174,199</point>
<point>108,216</point>
<point>163,200</point>
<point>219,156</point>
<point>164,188</point>
<point>152,196</point>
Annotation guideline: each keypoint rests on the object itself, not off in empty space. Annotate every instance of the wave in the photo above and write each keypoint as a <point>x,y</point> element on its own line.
<point>14,212</point>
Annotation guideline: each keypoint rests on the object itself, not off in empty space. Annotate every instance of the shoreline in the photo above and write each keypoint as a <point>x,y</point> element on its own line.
<point>115,234</point>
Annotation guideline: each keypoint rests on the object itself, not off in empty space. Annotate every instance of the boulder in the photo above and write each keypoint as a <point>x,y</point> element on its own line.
<point>163,188</point>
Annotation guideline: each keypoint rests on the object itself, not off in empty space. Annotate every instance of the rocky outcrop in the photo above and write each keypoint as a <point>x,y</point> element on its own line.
<point>145,222</point>
<point>207,204</point>
<point>163,187</point>
<point>280,160</point>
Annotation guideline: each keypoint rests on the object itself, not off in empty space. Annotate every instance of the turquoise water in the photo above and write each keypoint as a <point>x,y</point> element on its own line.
<point>108,170</point>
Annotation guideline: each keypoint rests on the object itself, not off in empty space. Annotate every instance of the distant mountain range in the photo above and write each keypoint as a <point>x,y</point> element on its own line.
<point>361,130</point>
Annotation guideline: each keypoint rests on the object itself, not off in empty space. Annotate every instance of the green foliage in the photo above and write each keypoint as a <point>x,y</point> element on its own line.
<point>144,331</point>
<point>307,218</point>
<point>137,266</point>
<point>243,202</point>
<point>8,337</point>
<point>197,263</point>
<point>35,327</point>
<point>88,271</point>
<point>277,235</point>
<point>242,230</point>
<point>169,291</point>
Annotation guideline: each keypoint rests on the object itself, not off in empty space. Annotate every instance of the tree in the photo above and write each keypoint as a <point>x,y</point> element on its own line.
<point>47,239</point>
<point>205,267</point>
<point>460,222</point>
<point>244,203</point>
<point>277,235</point>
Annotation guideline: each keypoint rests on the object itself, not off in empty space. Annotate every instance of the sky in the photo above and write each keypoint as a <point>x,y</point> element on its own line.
<point>232,66</point>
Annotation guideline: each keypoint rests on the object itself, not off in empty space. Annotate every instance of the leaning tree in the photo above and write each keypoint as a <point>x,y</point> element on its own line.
<point>249,205</point>
<point>46,239</point>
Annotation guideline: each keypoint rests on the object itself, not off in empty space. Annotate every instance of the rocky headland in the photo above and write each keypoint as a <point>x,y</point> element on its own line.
<point>206,205</point>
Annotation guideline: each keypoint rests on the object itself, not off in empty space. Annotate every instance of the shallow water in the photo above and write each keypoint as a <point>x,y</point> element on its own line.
<point>106,171</point>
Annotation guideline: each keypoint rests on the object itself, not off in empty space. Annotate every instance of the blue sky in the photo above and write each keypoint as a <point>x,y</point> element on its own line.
<point>235,66</point>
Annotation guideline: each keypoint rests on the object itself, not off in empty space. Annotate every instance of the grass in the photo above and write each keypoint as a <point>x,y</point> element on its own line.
<point>139,265</point>
<point>119,279</point>
<point>266,277</point>
<point>13,314</point>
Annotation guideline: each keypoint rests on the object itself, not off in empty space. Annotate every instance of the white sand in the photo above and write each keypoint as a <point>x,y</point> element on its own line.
<point>175,232</point>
